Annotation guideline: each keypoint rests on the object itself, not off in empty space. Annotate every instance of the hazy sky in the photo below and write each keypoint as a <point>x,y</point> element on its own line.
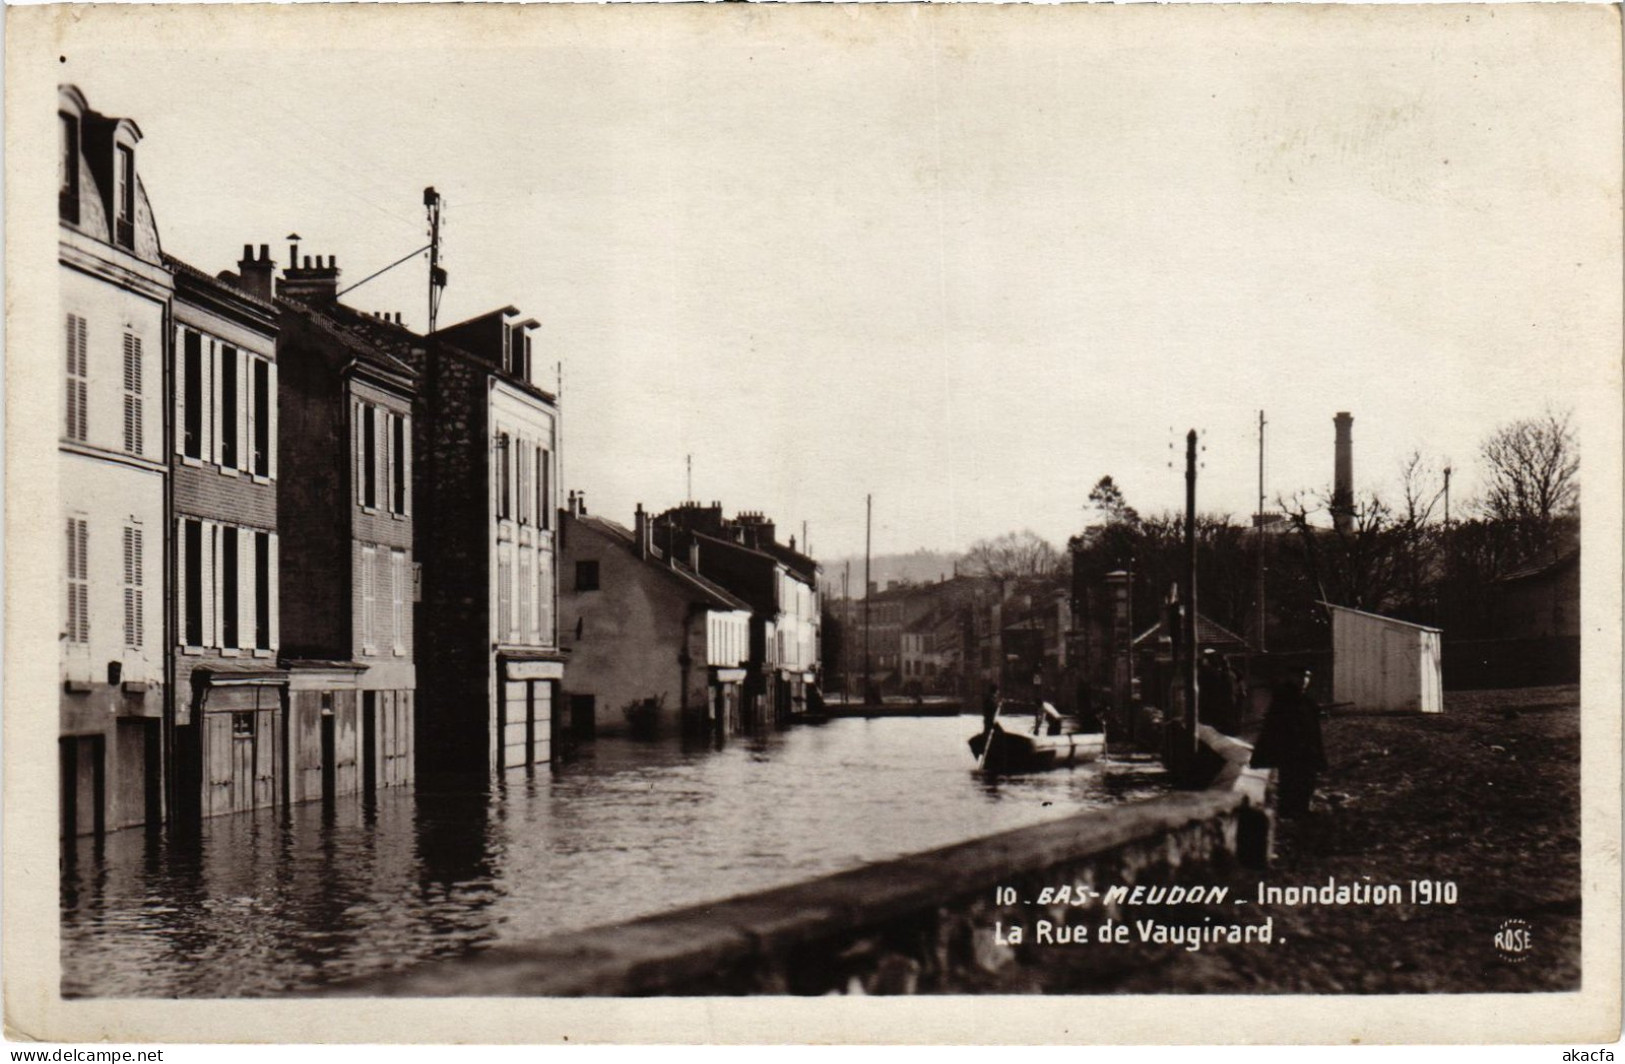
<point>968,260</point>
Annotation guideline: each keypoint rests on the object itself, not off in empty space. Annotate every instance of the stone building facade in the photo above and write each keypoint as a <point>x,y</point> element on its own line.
<point>115,296</point>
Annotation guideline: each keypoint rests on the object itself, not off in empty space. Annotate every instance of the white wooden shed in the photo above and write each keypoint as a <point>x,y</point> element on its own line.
<point>1385,663</point>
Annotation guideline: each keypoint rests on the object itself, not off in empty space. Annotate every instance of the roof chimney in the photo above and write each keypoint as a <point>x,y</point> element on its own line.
<point>1343,474</point>
<point>311,283</point>
<point>257,273</point>
<point>640,528</point>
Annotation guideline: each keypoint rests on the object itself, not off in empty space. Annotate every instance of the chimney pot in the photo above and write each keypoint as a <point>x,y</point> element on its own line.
<point>248,251</point>
<point>307,262</point>
<point>265,252</point>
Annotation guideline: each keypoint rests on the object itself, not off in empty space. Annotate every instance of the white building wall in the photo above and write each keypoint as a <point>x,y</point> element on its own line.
<point>1384,663</point>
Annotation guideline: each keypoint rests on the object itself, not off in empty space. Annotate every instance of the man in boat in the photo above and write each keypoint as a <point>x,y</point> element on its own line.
<point>990,706</point>
<point>1046,719</point>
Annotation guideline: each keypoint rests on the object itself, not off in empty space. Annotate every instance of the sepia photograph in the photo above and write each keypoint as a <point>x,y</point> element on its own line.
<point>1053,511</point>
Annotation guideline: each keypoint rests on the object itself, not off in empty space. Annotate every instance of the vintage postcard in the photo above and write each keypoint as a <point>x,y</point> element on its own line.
<point>934,523</point>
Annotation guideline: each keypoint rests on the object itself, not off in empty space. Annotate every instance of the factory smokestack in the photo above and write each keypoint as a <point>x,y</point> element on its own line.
<point>1343,477</point>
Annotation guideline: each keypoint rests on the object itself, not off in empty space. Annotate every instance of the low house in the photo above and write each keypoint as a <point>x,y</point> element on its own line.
<point>655,646</point>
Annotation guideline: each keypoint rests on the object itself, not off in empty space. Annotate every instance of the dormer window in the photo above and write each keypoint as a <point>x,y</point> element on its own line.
<point>68,169</point>
<point>124,196</point>
<point>519,352</point>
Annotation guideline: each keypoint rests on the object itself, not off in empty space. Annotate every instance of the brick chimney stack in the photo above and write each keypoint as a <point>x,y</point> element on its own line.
<point>313,282</point>
<point>640,528</point>
<point>1343,474</point>
<point>257,274</point>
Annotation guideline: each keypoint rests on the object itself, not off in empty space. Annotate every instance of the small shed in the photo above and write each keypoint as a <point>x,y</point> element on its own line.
<point>1385,663</point>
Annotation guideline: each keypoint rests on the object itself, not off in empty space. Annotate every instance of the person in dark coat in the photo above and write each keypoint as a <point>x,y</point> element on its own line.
<point>1218,694</point>
<point>1290,743</point>
<point>990,706</point>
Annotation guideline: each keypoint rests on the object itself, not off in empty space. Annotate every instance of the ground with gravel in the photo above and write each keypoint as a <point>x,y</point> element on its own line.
<point>1485,796</point>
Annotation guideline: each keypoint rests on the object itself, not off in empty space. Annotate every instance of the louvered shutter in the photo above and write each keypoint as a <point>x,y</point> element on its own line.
<point>275,585</point>
<point>380,481</point>
<point>271,442</point>
<point>180,581</point>
<point>369,599</point>
<point>247,543</point>
<point>211,416</point>
<point>406,462</point>
<point>179,379</point>
<point>245,423</point>
<point>388,491</point>
<point>360,455</point>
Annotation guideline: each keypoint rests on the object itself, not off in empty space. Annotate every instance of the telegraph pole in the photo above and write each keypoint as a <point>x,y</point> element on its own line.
<point>1447,496</point>
<point>1192,652</point>
<point>1258,527</point>
<point>868,529</point>
<point>689,497</point>
<point>437,274</point>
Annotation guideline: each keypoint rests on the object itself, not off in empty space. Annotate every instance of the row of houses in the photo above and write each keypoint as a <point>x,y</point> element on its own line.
<point>310,552</point>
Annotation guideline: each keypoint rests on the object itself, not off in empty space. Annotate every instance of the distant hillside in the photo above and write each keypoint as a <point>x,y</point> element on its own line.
<point>920,567</point>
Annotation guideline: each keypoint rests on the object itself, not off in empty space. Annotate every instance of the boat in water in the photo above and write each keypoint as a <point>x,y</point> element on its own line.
<point>1013,752</point>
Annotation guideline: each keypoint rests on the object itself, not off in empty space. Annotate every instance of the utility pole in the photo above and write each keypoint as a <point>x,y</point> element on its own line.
<point>868,529</point>
<point>1192,652</point>
<point>1258,530</point>
<point>846,633</point>
<point>689,495</point>
<point>437,275</point>
<point>1447,496</point>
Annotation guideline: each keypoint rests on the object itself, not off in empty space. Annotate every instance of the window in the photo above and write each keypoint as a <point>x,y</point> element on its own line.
<point>504,477</point>
<point>78,426</point>
<point>242,725</point>
<point>68,164</point>
<point>544,496</point>
<point>367,451</point>
<point>134,597</point>
<point>192,577</point>
<point>228,407</point>
<point>398,578</point>
<point>192,395</point>
<point>124,196</point>
<point>78,571</point>
<point>587,576</point>
<point>519,352</point>
<point>398,467</point>
<point>134,413</point>
<point>369,596</point>
<point>262,418</point>
<point>229,589</point>
<point>262,590</point>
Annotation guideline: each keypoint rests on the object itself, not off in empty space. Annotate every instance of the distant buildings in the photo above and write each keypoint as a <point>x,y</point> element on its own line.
<point>780,586</point>
<point>654,646</point>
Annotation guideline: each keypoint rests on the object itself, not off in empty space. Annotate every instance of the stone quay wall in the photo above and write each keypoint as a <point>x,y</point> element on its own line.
<point>918,924</point>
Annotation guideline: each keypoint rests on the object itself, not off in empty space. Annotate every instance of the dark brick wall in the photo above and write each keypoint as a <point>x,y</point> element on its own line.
<point>206,492</point>
<point>450,478</point>
<point>313,463</point>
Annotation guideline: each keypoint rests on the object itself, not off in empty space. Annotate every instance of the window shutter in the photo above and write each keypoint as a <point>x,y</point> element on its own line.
<point>387,488</point>
<point>180,581</point>
<point>211,412</point>
<point>245,422</point>
<point>360,455</point>
<point>406,460</point>
<point>179,379</point>
<point>397,599</point>
<point>275,582</point>
<point>246,542</point>
<point>368,599</point>
<point>211,584</point>
<point>380,481</point>
<point>271,441</point>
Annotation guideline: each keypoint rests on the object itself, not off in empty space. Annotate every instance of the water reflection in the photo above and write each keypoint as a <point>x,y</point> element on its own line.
<point>285,900</point>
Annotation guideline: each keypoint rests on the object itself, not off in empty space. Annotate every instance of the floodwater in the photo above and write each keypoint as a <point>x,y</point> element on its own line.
<point>285,901</point>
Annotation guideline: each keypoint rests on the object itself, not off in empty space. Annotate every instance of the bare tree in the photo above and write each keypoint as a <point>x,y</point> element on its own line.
<point>1532,472</point>
<point>1012,556</point>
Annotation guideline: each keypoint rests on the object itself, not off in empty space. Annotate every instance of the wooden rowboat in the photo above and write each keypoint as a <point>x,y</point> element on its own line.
<point>1013,752</point>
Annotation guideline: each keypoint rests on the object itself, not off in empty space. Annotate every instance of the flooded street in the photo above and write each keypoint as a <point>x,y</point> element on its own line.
<point>277,902</point>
